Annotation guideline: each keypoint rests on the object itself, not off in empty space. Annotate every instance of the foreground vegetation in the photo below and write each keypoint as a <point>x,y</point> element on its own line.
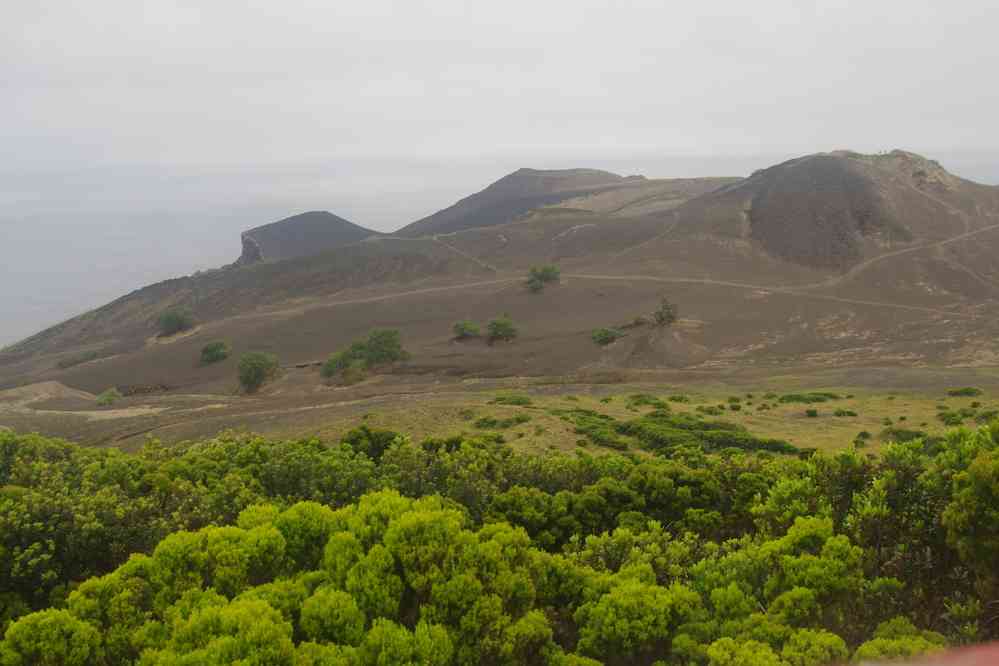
<point>699,548</point>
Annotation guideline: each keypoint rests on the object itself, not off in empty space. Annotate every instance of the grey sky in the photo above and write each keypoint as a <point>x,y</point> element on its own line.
<point>140,137</point>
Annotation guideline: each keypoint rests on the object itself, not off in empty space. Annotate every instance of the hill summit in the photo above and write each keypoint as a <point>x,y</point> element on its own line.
<point>512,196</point>
<point>300,235</point>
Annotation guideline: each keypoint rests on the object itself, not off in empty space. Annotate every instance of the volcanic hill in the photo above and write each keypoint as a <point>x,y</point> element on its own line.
<point>829,260</point>
<point>298,236</point>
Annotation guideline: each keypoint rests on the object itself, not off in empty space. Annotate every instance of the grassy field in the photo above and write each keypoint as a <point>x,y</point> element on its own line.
<point>835,425</point>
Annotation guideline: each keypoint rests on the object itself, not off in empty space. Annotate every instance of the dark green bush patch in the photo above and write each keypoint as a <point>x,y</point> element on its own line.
<point>965,392</point>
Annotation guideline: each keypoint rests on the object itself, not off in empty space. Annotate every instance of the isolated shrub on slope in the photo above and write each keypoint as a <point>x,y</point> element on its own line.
<point>109,397</point>
<point>466,329</point>
<point>502,329</point>
<point>175,320</point>
<point>381,347</point>
<point>605,336</point>
<point>255,368</point>
<point>214,352</point>
<point>539,276</point>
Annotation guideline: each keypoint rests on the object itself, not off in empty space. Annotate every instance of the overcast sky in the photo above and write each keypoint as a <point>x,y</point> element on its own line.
<point>138,138</point>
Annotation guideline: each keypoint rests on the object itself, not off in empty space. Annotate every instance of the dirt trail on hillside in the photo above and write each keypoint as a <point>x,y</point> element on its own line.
<point>791,291</point>
<point>864,265</point>
<point>466,255</point>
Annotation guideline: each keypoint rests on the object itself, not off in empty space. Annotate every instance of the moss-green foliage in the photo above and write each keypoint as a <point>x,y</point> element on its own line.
<point>664,432</point>
<point>811,413</point>
<point>256,368</point>
<point>379,550</point>
<point>965,392</point>
<point>465,329</point>
<point>108,397</point>
<point>665,314</point>
<point>811,397</point>
<point>216,351</point>
<point>901,434</point>
<point>501,329</point>
<point>844,412</point>
<point>512,399</point>
<point>645,400</point>
<point>493,423</point>
<point>382,346</point>
<point>175,320</point>
<point>987,416</point>
<point>956,417</point>
<point>599,429</point>
<point>539,276</point>
<point>605,336</point>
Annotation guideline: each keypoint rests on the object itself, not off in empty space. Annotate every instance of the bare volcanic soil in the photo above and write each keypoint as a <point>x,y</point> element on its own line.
<point>835,260</point>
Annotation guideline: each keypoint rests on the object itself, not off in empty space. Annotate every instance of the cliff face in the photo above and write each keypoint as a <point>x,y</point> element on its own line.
<point>299,236</point>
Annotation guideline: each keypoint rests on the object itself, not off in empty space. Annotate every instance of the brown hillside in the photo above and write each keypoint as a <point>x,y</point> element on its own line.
<point>828,260</point>
<point>299,236</point>
<point>512,196</point>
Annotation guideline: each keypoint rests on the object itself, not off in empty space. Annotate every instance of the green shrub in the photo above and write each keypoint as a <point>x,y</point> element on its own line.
<point>950,418</point>
<point>501,329</point>
<point>811,413</point>
<point>465,329</point>
<point>965,392</point>
<point>539,276</point>
<point>679,397</point>
<point>901,434</point>
<point>987,416</point>
<point>735,407</point>
<point>214,352</point>
<point>381,347</point>
<point>513,399</point>
<point>493,423</point>
<point>354,373</point>
<point>844,412</point>
<point>806,398</point>
<point>665,315</point>
<point>646,400</point>
<point>109,397</point>
<point>256,368</point>
<point>175,320</point>
<point>605,336</point>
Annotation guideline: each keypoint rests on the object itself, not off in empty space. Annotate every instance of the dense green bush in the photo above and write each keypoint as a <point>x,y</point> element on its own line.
<point>666,314</point>
<point>807,398</point>
<point>512,399</point>
<point>214,352</point>
<point>539,276</point>
<point>605,336</point>
<point>501,329</point>
<point>109,397</point>
<point>175,320</point>
<point>256,368</point>
<point>382,346</point>
<point>465,329</point>
<point>491,422</point>
<point>379,550</point>
<point>967,391</point>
